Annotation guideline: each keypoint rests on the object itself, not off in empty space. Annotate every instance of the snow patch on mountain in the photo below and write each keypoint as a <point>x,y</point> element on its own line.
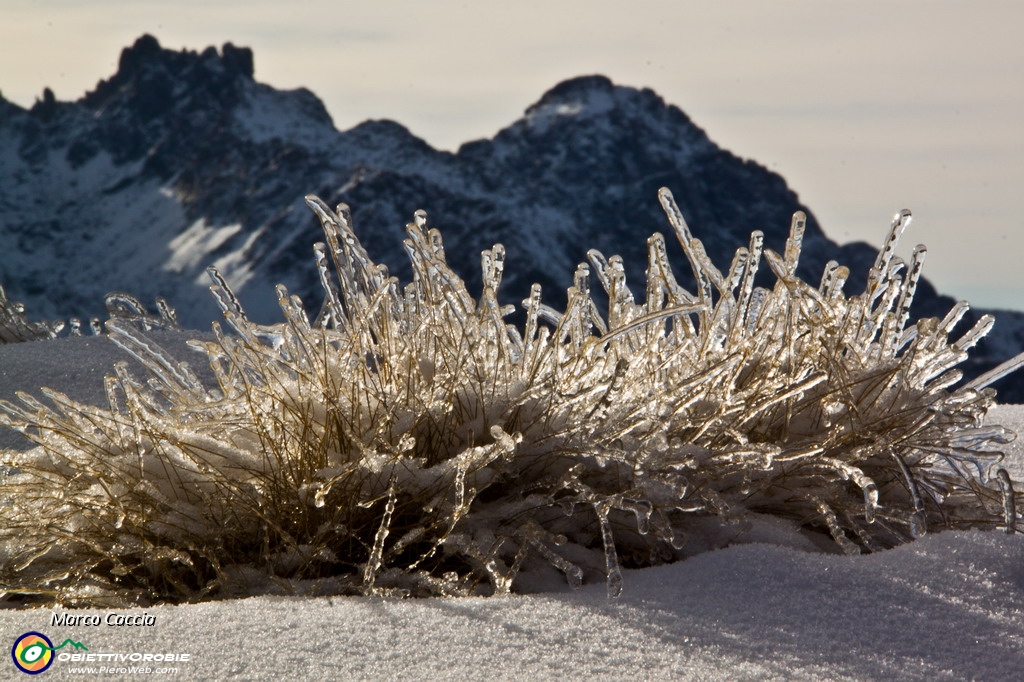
<point>190,249</point>
<point>293,116</point>
<point>590,103</point>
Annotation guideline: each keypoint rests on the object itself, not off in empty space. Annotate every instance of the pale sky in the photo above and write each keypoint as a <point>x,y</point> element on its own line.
<point>864,107</point>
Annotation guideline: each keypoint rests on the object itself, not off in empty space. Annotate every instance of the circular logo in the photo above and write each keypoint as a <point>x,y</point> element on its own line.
<point>32,653</point>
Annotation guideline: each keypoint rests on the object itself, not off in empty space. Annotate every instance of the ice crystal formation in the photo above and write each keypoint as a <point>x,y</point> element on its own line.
<point>409,439</point>
<point>16,327</point>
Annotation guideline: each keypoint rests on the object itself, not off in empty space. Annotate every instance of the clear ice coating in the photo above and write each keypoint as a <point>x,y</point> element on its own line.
<point>15,326</point>
<point>408,439</point>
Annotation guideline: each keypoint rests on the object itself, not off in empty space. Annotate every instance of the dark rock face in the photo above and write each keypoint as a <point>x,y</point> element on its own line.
<point>181,160</point>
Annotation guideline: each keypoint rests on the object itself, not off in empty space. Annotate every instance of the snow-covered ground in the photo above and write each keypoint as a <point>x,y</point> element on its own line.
<point>949,606</point>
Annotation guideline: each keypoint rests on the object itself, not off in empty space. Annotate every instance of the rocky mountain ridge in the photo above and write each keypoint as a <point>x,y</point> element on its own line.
<point>182,159</point>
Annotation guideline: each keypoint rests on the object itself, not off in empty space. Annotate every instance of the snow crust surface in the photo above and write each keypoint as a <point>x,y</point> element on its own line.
<point>948,606</point>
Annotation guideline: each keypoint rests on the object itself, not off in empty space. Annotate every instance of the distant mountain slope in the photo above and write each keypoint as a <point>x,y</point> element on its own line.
<point>181,160</point>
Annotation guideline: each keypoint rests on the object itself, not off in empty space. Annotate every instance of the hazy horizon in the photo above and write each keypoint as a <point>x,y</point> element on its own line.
<point>864,109</point>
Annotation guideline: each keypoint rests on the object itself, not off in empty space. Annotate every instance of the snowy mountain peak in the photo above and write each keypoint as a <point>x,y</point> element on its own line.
<point>163,99</point>
<point>586,95</point>
<point>597,97</point>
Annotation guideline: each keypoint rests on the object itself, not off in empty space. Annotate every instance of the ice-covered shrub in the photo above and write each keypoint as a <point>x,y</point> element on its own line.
<point>16,327</point>
<point>410,439</point>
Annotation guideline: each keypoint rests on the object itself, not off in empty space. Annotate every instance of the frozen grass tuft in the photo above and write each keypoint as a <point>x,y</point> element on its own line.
<point>409,440</point>
<point>16,327</point>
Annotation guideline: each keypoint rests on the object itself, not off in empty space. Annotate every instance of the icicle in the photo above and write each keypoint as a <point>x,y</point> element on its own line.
<point>889,336</point>
<point>832,521</point>
<point>708,268</point>
<point>573,573</point>
<point>777,264</point>
<point>120,304</point>
<point>611,557</point>
<point>167,312</point>
<point>111,389</point>
<point>498,252</point>
<point>918,520</point>
<point>600,264</point>
<point>502,581</point>
<point>753,314</point>
<point>546,312</point>
<point>620,298</point>
<point>492,265</point>
<point>675,217</point>
<point>980,438</point>
<point>1009,501</point>
<point>532,307</point>
<point>581,282</point>
<point>533,534</point>
<point>982,327</point>
<point>795,242</point>
<point>738,267</point>
<point>659,256</point>
<point>910,287</point>
<point>899,223</point>
<point>420,218</point>
<point>837,281</point>
<point>435,239</point>
<point>581,279</point>
<point>641,509</point>
<point>955,314</point>
<point>827,276</point>
<point>862,481</point>
<point>224,295</point>
<point>875,318</point>
<point>333,313</point>
<point>376,554</point>
<point>997,373</point>
<point>870,495</point>
<point>747,286</point>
